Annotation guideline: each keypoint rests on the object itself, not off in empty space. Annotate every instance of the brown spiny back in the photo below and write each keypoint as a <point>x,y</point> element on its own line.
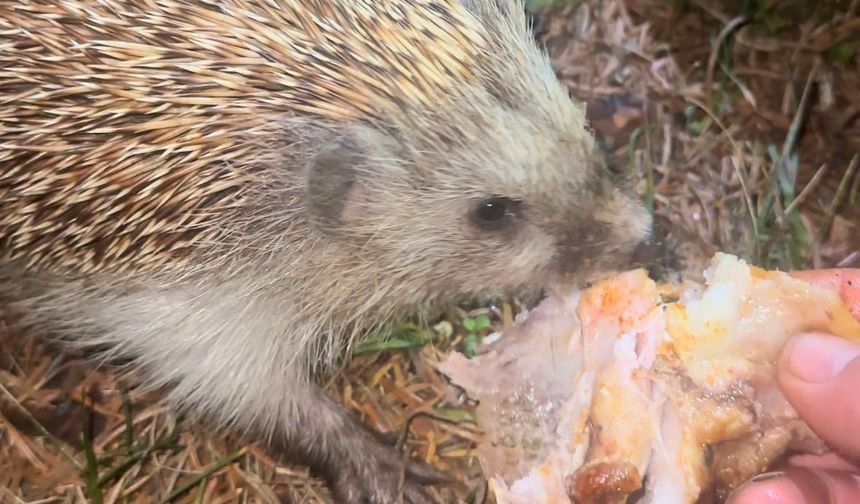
<point>125,125</point>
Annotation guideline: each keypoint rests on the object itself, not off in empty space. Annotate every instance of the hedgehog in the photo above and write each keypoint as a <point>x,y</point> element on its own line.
<point>228,195</point>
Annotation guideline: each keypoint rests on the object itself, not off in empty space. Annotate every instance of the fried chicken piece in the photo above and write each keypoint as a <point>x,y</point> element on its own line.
<point>616,394</point>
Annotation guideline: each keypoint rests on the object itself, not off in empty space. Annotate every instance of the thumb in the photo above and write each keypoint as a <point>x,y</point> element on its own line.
<point>820,376</point>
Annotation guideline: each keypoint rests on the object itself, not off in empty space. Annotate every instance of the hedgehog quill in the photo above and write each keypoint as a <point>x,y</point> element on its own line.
<point>230,193</point>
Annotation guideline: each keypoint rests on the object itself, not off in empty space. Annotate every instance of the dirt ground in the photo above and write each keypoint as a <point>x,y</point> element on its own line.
<point>740,122</point>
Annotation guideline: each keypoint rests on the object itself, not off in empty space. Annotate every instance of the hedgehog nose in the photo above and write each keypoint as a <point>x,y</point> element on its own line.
<point>656,253</point>
<point>644,253</point>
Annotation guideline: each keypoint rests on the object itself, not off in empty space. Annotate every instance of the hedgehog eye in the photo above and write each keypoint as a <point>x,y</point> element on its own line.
<point>496,211</point>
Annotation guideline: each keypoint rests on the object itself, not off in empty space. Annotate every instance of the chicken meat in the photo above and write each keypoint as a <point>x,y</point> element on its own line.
<point>630,391</point>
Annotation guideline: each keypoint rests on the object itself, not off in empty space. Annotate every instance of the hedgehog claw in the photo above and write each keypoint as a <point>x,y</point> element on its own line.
<point>373,474</point>
<point>426,474</point>
<point>416,470</point>
<point>375,478</point>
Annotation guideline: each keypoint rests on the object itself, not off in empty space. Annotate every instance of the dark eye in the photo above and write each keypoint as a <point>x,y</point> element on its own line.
<point>495,212</point>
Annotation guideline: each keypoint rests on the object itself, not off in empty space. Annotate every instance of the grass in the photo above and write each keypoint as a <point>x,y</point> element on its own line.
<point>474,328</point>
<point>721,113</point>
<point>407,335</point>
<point>200,479</point>
<point>780,238</point>
<point>91,470</point>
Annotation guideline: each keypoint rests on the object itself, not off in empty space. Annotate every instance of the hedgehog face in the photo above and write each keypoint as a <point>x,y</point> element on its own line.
<point>543,238</point>
<point>543,207</point>
<point>494,184</point>
<point>522,208</point>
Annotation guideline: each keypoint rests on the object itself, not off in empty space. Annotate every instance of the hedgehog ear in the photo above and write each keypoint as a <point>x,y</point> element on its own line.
<point>330,181</point>
<point>336,183</point>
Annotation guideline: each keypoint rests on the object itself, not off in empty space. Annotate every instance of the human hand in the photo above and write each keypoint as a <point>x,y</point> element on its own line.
<point>820,376</point>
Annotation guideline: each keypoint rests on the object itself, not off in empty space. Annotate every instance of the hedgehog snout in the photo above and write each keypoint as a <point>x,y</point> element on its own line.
<point>611,238</point>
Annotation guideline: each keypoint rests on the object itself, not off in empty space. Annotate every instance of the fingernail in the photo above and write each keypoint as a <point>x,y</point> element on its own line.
<point>766,476</point>
<point>815,358</point>
<point>757,479</point>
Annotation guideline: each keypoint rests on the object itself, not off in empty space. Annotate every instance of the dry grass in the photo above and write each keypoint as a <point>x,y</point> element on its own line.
<point>71,433</point>
<point>739,121</point>
<point>729,114</point>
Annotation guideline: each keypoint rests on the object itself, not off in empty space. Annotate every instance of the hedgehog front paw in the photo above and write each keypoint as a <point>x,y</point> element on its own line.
<point>372,474</point>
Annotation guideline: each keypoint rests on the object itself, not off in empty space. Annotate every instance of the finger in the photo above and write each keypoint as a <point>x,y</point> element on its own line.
<point>801,486</point>
<point>828,461</point>
<point>820,376</point>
